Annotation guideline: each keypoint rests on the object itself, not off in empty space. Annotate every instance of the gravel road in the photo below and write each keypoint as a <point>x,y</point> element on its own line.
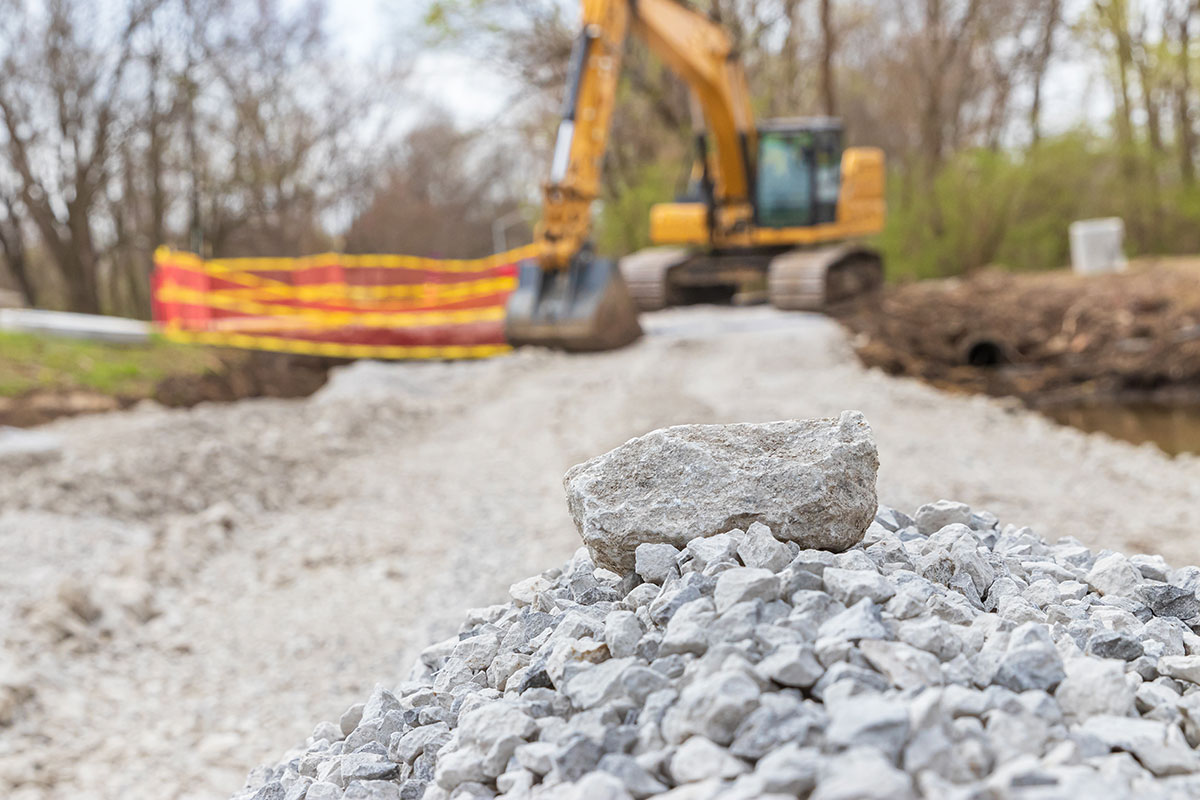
<point>185,592</point>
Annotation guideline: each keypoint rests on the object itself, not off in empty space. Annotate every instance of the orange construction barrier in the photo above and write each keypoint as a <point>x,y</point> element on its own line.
<point>343,306</point>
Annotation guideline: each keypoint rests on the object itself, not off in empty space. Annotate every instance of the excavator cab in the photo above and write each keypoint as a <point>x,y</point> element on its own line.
<point>798,174</point>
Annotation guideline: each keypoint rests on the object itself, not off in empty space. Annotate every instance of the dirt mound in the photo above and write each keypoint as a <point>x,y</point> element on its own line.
<point>1049,339</point>
<point>241,375</point>
<point>246,375</point>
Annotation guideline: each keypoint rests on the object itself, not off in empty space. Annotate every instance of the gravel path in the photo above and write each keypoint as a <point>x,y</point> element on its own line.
<point>186,591</point>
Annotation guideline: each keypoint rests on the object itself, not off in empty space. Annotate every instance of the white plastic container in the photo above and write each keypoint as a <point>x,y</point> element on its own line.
<point>1096,246</point>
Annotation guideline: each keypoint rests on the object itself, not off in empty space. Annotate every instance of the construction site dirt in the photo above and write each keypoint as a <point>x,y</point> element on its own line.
<point>1118,352</point>
<point>260,565</point>
<point>242,375</point>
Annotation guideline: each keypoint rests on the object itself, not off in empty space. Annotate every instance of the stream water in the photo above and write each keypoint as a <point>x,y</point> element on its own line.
<point>1174,429</point>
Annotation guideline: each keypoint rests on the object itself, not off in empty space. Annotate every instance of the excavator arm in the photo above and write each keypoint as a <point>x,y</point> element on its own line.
<point>693,47</point>
<point>568,298</point>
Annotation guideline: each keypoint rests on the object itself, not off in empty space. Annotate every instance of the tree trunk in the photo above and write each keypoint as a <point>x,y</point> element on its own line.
<point>828,49</point>
<point>16,256</point>
<point>1183,100</point>
<point>1041,62</point>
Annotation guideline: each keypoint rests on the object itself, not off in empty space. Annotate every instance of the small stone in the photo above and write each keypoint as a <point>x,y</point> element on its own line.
<point>525,593</point>
<point>905,666</point>
<point>496,729</point>
<point>477,652</point>
<point>1094,686</point>
<point>366,766</point>
<point>1113,574</point>
<point>862,773</point>
<point>708,550</point>
<point>323,790</point>
<point>673,596</point>
<point>1153,568</point>
<point>576,756</point>
<point>699,758</point>
<point>597,684</point>
<point>327,731</point>
<point>515,781</point>
<point>622,632</point>
<point>1159,747</point>
<point>1111,644</point>
<point>779,719</point>
<point>405,747</point>
<point>848,586</point>
<point>640,682</point>
<point>1166,600</point>
<point>860,621</point>
<point>537,757</point>
<point>1031,660</point>
<point>598,786</point>
<point>637,781</point>
<point>760,549</point>
<point>792,665</point>
<point>868,720</point>
<point>790,769</point>
<point>893,520</point>
<point>655,561</point>
<point>713,707</point>
<point>809,481</point>
<point>745,583</point>
<point>688,630</point>
<point>932,517</point>
<point>351,718</point>
<point>1184,668</point>
<point>389,790</point>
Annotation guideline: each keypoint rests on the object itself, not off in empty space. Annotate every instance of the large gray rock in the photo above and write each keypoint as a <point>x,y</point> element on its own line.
<point>809,481</point>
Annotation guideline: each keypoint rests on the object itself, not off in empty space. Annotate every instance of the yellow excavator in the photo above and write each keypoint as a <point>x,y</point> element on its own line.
<point>777,204</point>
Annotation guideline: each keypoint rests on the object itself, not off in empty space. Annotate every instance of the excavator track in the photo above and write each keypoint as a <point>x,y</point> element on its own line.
<point>811,280</point>
<point>646,275</point>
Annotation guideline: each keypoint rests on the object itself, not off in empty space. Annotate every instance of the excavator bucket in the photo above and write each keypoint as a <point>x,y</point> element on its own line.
<point>582,308</point>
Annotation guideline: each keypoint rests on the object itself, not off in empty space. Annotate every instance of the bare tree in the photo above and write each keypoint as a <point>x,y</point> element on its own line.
<point>289,135</point>
<point>828,50</point>
<point>440,199</point>
<point>13,249</point>
<point>59,107</point>
<point>1041,61</point>
<point>1181,17</point>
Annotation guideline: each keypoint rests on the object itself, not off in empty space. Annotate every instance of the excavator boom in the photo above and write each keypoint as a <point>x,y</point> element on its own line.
<point>568,298</point>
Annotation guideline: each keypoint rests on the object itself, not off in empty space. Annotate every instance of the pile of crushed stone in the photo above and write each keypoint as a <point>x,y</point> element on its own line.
<point>942,655</point>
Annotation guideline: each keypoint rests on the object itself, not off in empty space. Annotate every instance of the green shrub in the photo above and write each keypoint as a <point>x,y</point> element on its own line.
<point>988,207</point>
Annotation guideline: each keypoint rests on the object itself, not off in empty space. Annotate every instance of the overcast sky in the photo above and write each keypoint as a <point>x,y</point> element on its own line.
<point>475,94</point>
<point>468,89</point>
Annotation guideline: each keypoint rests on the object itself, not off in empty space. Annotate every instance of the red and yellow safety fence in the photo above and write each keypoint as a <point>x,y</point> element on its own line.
<point>343,306</point>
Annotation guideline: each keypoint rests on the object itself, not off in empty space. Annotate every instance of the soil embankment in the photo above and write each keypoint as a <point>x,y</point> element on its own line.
<point>1053,340</point>
<point>232,375</point>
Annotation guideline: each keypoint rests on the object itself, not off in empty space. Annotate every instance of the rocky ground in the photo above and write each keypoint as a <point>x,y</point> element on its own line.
<point>940,657</point>
<point>186,591</point>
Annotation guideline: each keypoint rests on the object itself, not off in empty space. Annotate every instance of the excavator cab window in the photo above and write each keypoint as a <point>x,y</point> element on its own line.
<point>799,172</point>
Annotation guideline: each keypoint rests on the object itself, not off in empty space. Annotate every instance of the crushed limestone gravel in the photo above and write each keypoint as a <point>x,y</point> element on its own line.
<point>183,591</point>
<point>944,656</point>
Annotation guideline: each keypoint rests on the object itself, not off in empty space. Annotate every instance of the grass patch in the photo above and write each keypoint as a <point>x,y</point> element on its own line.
<point>29,363</point>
